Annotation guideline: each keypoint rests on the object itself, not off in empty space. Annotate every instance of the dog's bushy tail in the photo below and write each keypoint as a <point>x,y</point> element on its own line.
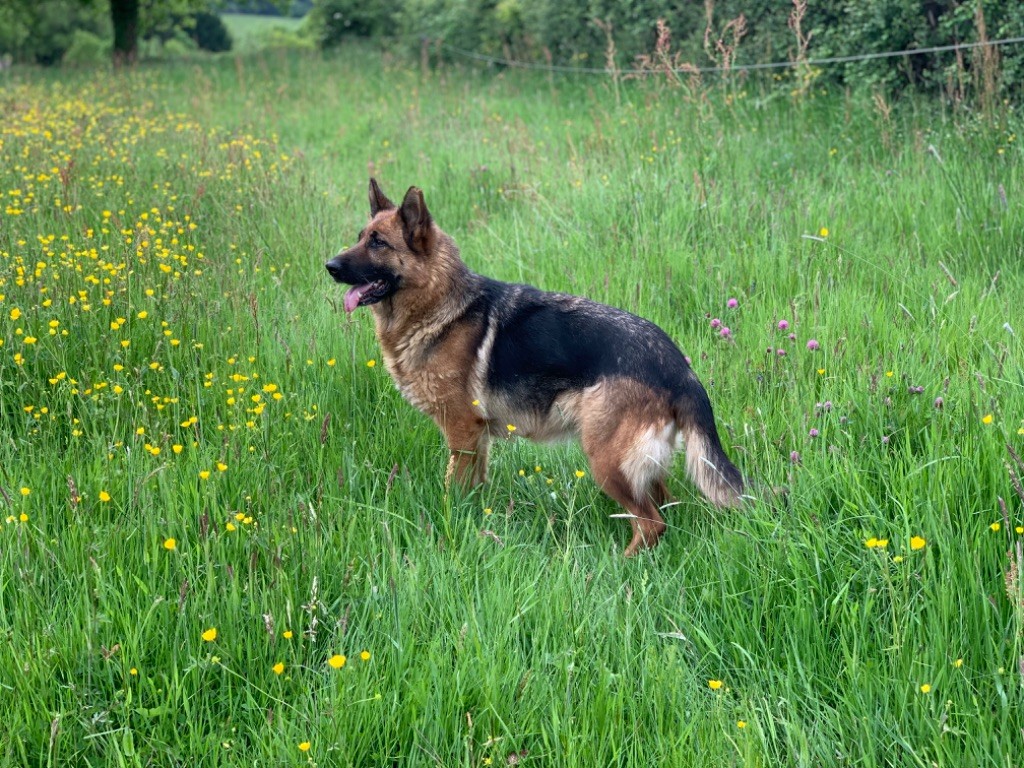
<point>706,463</point>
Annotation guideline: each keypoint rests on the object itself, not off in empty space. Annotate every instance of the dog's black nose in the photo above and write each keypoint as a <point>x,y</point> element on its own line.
<point>334,268</point>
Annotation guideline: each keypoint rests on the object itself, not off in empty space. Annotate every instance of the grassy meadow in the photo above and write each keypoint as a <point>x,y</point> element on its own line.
<point>225,539</point>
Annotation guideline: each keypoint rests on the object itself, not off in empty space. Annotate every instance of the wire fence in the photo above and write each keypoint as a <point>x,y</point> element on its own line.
<point>498,61</point>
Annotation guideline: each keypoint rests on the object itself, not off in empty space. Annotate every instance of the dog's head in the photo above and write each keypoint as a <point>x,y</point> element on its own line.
<point>392,250</point>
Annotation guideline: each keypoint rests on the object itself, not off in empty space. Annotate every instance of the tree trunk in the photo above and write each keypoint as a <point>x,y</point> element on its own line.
<point>124,14</point>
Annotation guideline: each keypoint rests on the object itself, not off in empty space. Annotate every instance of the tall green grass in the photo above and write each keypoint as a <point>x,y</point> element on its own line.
<point>191,209</point>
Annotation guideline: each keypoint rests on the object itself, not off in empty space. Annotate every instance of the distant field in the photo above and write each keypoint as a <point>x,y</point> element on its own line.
<point>249,31</point>
<point>224,536</point>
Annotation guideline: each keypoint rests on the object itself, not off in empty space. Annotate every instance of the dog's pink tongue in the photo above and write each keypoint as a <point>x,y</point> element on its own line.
<point>353,295</point>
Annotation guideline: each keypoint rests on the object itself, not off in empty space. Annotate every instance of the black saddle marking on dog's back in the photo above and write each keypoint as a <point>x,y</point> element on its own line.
<point>549,343</point>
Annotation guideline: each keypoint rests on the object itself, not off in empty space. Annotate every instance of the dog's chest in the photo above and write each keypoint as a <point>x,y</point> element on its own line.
<point>431,362</point>
<point>428,387</point>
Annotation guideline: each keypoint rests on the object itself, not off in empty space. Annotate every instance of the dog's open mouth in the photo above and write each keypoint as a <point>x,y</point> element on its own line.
<point>366,294</point>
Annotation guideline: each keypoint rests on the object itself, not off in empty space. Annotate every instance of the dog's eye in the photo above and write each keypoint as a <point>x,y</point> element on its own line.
<point>376,242</point>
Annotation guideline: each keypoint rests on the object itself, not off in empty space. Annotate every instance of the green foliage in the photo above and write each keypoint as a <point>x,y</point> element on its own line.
<point>86,49</point>
<point>896,25</point>
<point>178,47</point>
<point>41,32</point>
<point>279,38</point>
<point>332,21</point>
<point>173,42</point>
<point>567,32</point>
<point>209,32</point>
<point>15,30</point>
<point>252,32</point>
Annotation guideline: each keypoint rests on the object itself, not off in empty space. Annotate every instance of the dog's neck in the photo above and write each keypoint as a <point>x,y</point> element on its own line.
<point>426,310</point>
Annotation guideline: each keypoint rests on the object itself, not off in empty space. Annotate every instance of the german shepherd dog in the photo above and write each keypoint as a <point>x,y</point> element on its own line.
<point>487,359</point>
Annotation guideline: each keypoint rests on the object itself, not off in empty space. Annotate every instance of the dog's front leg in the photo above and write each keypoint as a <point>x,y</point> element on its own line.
<point>467,441</point>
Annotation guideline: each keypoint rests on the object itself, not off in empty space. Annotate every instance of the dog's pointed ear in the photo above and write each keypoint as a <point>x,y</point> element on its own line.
<point>416,221</point>
<point>378,200</point>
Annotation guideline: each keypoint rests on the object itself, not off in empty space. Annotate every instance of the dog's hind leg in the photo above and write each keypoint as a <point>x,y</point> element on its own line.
<point>629,455</point>
<point>645,520</point>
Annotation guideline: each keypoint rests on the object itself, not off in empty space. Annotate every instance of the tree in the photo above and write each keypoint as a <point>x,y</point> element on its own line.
<point>124,16</point>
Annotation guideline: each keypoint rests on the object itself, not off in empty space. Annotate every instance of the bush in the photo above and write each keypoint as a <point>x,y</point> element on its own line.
<point>171,43</point>
<point>565,32</point>
<point>210,33</point>
<point>279,37</point>
<point>334,20</point>
<point>42,32</point>
<point>177,48</point>
<point>86,49</point>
